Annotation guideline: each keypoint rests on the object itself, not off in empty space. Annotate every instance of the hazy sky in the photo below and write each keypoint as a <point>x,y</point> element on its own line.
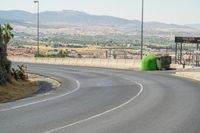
<point>168,11</point>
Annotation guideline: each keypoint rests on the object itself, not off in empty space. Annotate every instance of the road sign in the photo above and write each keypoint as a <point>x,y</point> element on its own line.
<point>187,39</point>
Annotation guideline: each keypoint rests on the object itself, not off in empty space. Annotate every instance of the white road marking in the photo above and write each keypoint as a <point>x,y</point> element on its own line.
<point>103,113</point>
<point>40,101</point>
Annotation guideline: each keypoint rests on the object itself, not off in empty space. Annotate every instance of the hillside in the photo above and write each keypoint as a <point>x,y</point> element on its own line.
<point>69,26</point>
<point>80,18</point>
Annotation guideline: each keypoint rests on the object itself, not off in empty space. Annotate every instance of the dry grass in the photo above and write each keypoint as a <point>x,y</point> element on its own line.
<point>17,90</point>
<point>84,49</point>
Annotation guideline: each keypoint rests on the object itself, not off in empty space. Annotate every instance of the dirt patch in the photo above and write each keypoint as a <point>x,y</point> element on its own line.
<point>17,90</point>
<point>36,84</point>
<point>191,75</point>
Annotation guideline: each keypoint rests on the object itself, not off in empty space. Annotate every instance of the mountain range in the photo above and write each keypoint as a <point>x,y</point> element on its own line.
<point>72,17</point>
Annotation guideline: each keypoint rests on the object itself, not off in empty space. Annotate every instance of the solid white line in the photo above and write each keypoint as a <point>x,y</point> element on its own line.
<point>103,113</point>
<point>45,100</point>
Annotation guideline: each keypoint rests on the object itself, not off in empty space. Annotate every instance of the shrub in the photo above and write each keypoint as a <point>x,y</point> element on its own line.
<point>149,63</point>
<point>20,73</point>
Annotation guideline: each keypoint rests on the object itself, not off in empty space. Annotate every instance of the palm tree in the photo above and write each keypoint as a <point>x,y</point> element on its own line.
<point>1,39</point>
<point>5,64</point>
<point>1,43</point>
<point>7,33</point>
<point>5,36</point>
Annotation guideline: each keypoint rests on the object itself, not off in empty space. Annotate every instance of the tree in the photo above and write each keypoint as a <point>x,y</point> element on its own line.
<point>7,34</point>
<point>5,65</point>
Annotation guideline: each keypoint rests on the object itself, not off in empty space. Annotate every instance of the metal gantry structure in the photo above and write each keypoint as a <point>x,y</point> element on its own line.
<point>179,49</point>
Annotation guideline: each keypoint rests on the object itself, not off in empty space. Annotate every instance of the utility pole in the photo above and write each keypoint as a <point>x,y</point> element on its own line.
<point>38,28</point>
<point>142,31</point>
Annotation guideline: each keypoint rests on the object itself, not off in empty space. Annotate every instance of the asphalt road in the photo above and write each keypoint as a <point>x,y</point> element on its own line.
<point>94,100</point>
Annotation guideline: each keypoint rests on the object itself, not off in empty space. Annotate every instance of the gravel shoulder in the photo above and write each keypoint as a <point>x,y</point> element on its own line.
<point>195,75</point>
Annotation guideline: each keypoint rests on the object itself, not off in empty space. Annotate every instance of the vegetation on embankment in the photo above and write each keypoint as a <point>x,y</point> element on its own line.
<point>14,83</point>
<point>17,90</point>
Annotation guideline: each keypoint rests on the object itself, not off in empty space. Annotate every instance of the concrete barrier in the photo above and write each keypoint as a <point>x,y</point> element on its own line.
<point>90,62</point>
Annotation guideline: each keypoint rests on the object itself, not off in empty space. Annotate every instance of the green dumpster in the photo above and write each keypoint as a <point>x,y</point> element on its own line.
<point>163,62</point>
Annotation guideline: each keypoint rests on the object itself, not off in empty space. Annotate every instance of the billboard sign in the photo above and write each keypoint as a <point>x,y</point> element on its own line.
<point>187,39</point>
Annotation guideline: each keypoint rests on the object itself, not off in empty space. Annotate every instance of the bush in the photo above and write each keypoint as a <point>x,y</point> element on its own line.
<point>20,73</point>
<point>149,63</point>
<point>39,55</point>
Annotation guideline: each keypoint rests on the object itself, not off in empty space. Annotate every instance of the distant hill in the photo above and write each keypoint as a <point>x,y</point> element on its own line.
<point>65,17</point>
<point>6,20</point>
<point>16,15</point>
<point>81,18</point>
<point>195,26</point>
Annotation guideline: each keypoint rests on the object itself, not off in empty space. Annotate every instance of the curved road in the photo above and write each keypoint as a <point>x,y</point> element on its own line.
<point>94,100</point>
